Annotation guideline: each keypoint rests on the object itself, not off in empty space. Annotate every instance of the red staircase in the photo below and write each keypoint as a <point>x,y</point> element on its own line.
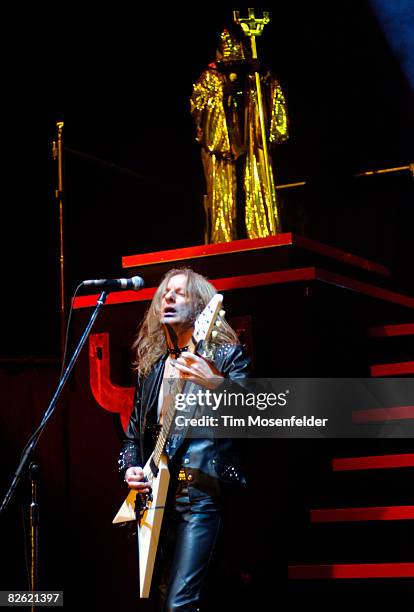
<point>394,347</point>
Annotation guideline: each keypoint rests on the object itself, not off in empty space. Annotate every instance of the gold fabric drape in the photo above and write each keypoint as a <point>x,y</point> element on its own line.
<point>227,123</point>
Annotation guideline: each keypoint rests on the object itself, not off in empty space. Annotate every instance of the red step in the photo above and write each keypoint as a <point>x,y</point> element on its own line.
<point>263,279</point>
<point>374,462</point>
<point>392,369</point>
<point>336,571</point>
<point>406,329</point>
<point>375,513</point>
<point>221,284</point>
<point>187,254</point>
<point>397,413</point>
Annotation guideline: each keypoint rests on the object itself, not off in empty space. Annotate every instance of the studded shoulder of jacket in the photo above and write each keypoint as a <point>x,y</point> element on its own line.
<point>232,361</point>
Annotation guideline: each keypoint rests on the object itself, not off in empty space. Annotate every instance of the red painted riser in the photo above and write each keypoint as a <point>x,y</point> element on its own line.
<point>238,246</point>
<point>379,415</point>
<point>376,462</point>
<point>379,513</point>
<point>264,279</point>
<point>221,284</point>
<point>388,331</point>
<point>351,570</point>
<point>392,369</point>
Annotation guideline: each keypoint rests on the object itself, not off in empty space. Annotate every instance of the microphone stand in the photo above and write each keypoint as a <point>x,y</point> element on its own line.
<point>34,528</point>
<point>38,432</point>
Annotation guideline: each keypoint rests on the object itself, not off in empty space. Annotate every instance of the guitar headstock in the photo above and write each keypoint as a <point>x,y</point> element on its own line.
<point>204,324</point>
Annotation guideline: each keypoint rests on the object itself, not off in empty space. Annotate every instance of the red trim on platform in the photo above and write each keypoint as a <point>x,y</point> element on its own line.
<point>351,570</point>
<point>122,297</point>
<point>406,329</point>
<point>206,250</point>
<point>396,413</point>
<point>221,284</point>
<point>375,462</point>
<point>392,369</point>
<point>262,279</point>
<point>238,246</point>
<point>380,513</point>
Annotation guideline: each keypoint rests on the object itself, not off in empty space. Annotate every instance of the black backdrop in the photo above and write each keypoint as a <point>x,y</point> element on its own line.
<point>121,80</point>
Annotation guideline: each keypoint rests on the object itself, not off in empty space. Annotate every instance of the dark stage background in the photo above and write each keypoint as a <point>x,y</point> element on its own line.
<point>121,81</point>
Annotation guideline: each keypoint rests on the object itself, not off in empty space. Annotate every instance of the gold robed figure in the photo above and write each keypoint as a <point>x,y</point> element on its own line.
<point>226,112</point>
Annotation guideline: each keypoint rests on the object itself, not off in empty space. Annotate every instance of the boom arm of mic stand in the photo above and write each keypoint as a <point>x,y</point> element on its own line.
<point>36,435</point>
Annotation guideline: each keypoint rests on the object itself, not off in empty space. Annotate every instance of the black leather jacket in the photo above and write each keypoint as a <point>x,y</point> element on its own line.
<point>208,463</point>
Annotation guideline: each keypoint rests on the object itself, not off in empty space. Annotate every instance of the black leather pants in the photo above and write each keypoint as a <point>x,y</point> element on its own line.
<point>189,542</point>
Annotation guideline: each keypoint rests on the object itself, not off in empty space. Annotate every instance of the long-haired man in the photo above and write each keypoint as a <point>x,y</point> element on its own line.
<point>202,470</point>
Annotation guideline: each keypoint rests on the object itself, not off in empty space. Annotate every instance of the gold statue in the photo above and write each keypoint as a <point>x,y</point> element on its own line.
<point>239,109</point>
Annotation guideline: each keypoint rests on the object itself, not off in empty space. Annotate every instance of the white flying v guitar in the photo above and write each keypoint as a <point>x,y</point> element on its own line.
<point>156,473</point>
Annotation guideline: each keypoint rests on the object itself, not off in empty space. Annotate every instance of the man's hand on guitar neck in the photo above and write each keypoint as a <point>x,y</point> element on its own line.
<point>198,370</point>
<point>134,477</point>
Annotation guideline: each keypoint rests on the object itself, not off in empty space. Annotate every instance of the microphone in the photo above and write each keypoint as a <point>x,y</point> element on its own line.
<point>117,284</point>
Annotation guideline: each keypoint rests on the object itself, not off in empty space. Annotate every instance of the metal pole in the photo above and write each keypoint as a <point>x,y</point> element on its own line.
<point>270,186</point>
<point>253,27</point>
<point>57,149</point>
<point>34,529</point>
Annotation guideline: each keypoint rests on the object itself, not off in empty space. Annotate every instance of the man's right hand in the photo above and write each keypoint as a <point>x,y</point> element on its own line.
<point>134,477</point>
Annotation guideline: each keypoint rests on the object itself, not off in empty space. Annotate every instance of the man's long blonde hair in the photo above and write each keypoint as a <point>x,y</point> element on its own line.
<point>151,343</point>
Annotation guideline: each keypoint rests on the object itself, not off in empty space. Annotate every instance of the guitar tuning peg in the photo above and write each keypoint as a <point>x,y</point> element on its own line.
<point>218,323</point>
<point>222,313</point>
<point>214,333</point>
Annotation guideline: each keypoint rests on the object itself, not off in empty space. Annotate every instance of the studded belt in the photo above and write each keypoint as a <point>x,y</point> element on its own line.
<point>183,476</point>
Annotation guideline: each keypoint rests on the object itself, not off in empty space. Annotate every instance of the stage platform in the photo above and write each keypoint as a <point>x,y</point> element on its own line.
<point>243,264</point>
<point>303,309</point>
